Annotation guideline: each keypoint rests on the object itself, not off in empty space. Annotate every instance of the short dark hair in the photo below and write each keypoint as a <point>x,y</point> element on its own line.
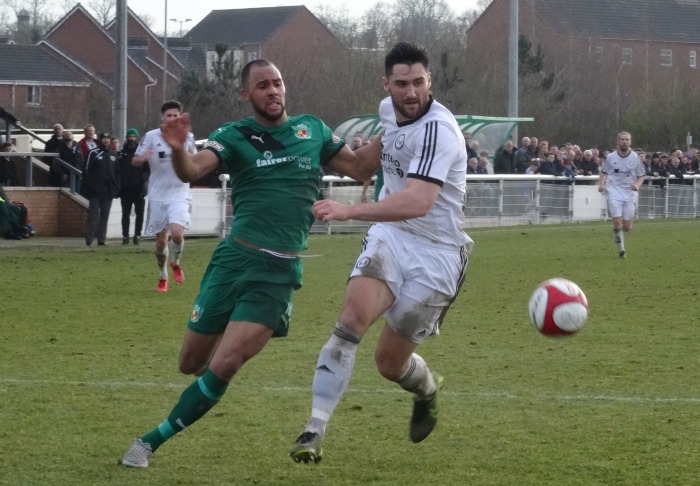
<point>169,105</point>
<point>245,72</point>
<point>405,53</point>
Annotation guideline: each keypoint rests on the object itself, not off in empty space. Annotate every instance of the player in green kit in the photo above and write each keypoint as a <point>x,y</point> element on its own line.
<point>246,293</point>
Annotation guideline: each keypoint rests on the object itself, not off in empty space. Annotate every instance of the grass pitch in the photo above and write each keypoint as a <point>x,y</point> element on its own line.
<point>88,360</point>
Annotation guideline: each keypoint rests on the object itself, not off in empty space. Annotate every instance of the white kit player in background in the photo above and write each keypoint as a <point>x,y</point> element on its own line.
<point>621,176</point>
<point>413,260</point>
<point>168,197</point>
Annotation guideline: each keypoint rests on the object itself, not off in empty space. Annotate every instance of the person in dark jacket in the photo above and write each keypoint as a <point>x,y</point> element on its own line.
<point>68,152</point>
<point>52,145</point>
<point>134,185</point>
<point>504,162</point>
<point>100,185</point>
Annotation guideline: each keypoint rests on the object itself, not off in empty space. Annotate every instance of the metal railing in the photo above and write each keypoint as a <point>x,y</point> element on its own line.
<point>510,200</point>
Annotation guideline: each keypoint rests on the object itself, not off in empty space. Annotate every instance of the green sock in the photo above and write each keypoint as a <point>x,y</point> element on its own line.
<point>195,401</point>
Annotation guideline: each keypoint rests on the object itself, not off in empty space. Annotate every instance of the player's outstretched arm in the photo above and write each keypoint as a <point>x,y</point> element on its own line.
<point>188,167</point>
<point>412,202</point>
<point>361,164</point>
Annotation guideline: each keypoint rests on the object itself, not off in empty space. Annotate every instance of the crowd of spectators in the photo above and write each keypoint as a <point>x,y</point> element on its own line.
<point>540,156</point>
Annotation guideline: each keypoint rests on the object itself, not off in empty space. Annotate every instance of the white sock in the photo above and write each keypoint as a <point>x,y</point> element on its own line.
<point>333,371</point>
<point>162,259</point>
<point>619,238</point>
<point>417,378</point>
<point>176,251</point>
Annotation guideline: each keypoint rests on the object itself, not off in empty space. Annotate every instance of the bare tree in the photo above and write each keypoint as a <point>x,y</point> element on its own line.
<point>103,10</point>
<point>40,17</point>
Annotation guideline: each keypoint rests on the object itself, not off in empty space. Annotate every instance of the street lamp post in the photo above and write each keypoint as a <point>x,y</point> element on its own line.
<point>180,22</point>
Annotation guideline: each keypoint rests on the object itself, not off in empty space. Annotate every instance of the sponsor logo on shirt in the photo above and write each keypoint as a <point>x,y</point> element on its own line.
<point>215,145</point>
<point>270,159</point>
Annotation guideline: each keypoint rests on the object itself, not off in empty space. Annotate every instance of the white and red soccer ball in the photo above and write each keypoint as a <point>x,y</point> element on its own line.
<point>558,307</point>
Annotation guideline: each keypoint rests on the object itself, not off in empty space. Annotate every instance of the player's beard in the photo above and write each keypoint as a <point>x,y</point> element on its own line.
<point>272,117</point>
<point>417,110</point>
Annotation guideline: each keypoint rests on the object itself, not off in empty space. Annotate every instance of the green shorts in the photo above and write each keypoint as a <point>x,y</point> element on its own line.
<point>243,284</point>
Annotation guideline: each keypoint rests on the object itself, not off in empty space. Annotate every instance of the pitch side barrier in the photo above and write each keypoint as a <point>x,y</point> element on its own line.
<point>510,200</point>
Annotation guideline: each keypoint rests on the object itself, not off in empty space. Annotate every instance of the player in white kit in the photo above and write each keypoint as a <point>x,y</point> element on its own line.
<point>414,259</point>
<point>621,176</point>
<point>168,197</point>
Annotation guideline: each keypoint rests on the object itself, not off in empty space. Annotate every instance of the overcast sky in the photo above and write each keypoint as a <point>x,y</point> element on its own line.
<point>196,10</point>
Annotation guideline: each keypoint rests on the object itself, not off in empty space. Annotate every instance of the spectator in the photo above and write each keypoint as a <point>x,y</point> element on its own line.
<point>588,165</point>
<point>569,172</point>
<point>521,158</point>
<point>101,185</point>
<point>88,142</point>
<point>547,165</point>
<point>648,169</point>
<point>483,164</point>
<point>471,149</point>
<point>534,167</point>
<point>8,173</point>
<point>134,185</point>
<point>504,161</point>
<point>472,165</point>
<point>534,147</point>
<point>52,145</point>
<point>70,153</point>
<point>675,169</point>
<point>542,148</point>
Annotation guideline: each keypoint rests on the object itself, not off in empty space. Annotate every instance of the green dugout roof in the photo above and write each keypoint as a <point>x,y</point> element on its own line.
<point>488,131</point>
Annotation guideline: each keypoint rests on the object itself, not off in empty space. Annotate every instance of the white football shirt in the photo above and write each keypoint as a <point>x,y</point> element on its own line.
<point>622,172</point>
<point>432,149</point>
<point>163,183</point>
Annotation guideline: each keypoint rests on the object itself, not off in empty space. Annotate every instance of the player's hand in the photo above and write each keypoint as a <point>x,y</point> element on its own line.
<point>601,188</point>
<point>326,210</point>
<point>634,187</point>
<point>175,131</point>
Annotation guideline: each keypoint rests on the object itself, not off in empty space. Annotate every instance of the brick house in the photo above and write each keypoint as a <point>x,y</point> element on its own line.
<point>600,57</point>
<point>307,53</point>
<point>40,85</point>
<point>80,37</point>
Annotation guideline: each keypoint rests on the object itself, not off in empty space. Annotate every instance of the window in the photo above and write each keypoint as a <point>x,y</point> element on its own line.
<point>693,59</point>
<point>598,54</point>
<point>627,56</point>
<point>666,57</point>
<point>34,95</point>
<point>252,56</point>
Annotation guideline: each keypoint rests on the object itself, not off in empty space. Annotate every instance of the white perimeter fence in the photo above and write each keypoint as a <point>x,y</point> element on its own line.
<point>492,200</point>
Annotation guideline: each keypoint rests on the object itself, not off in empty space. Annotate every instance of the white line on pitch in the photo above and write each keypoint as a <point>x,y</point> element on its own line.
<point>388,389</point>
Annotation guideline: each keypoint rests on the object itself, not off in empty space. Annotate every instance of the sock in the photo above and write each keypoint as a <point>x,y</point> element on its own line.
<point>195,401</point>
<point>176,251</point>
<point>162,259</point>
<point>333,371</point>
<point>619,238</point>
<point>417,378</point>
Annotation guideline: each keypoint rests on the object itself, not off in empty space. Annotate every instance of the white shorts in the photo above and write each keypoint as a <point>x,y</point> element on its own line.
<point>622,208</point>
<point>163,213</point>
<point>423,276</point>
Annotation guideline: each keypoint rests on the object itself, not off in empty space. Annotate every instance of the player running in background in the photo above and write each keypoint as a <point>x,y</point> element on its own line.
<point>621,176</point>
<point>246,293</point>
<point>168,197</point>
<point>413,262</point>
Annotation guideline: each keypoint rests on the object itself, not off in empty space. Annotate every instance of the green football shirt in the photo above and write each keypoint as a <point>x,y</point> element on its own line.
<point>275,177</point>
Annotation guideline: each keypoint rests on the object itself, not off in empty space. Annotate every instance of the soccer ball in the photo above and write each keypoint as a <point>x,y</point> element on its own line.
<point>558,306</point>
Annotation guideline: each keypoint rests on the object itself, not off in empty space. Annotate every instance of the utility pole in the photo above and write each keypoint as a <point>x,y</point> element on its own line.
<point>165,53</point>
<point>120,92</point>
<point>513,34</point>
